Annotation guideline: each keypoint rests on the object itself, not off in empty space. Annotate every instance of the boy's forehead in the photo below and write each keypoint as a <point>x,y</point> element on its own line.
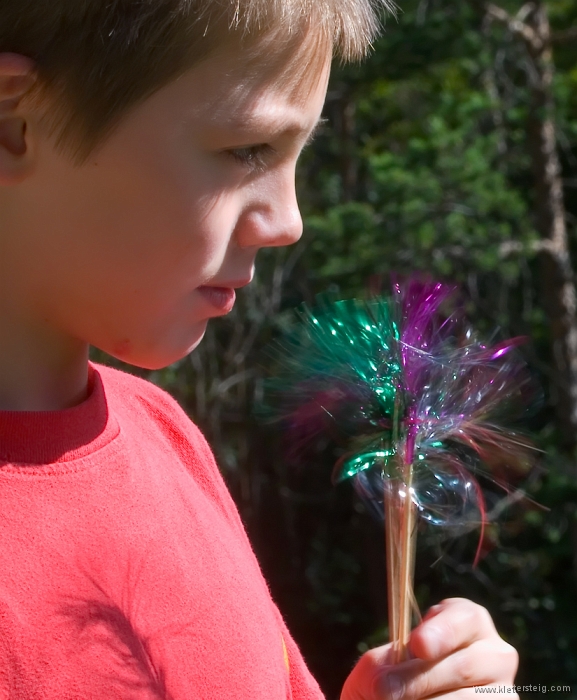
<point>263,119</point>
<point>242,98</point>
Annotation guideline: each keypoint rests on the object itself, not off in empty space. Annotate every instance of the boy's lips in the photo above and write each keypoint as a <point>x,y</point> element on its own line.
<point>221,298</point>
<point>222,295</point>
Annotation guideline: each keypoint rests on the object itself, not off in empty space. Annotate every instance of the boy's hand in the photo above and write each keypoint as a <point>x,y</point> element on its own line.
<point>455,648</point>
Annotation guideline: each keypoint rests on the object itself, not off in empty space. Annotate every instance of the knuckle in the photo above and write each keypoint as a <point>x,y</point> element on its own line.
<point>464,608</point>
<point>477,616</point>
<point>371,658</point>
<point>510,656</point>
<point>373,661</point>
<point>484,617</point>
<point>454,601</point>
<point>432,612</point>
<point>459,603</point>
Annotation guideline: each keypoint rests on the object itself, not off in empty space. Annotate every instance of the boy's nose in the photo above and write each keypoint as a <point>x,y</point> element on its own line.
<point>273,221</point>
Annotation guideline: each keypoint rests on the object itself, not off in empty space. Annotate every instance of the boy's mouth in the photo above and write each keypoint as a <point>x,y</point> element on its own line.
<point>222,298</point>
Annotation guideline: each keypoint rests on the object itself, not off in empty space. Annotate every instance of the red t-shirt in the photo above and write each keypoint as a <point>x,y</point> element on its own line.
<point>125,572</point>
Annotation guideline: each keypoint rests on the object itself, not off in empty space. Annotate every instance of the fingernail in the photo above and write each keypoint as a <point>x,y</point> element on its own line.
<point>394,687</point>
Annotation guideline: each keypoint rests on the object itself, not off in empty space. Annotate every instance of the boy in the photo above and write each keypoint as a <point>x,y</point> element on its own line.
<point>147,152</point>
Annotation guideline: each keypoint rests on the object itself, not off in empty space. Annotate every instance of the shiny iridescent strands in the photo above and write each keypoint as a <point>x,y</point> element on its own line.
<point>418,398</point>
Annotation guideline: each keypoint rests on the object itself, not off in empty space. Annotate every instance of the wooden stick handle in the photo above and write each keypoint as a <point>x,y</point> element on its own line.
<point>400,521</point>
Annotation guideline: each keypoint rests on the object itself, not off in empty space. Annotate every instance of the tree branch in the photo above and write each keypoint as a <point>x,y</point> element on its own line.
<point>515,24</point>
<point>512,248</point>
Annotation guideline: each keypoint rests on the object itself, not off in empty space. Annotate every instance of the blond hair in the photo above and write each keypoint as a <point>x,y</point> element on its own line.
<point>98,58</point>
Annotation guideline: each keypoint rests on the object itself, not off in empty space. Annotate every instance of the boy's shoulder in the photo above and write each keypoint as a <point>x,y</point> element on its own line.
<point>141,402</point>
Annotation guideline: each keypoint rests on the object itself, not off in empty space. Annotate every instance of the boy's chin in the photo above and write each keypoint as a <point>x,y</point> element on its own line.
<point>160,356</point>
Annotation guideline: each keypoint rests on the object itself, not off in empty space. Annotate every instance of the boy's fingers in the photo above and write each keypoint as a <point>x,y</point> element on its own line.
<point>456,647</point>
<point>363,682</point>
<point>482,663</point>
<point>453,624</point>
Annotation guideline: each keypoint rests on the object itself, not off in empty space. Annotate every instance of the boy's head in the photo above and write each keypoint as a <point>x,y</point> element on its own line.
<point>147,152</point>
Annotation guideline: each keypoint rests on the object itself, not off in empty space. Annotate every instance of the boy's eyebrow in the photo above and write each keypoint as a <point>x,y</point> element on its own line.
<point>254,124</point>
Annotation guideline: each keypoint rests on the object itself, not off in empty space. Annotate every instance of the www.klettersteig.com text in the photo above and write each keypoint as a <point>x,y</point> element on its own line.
<point>513,689</point>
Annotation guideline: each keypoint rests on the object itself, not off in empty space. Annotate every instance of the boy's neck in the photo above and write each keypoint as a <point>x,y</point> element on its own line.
<point>48,373</point>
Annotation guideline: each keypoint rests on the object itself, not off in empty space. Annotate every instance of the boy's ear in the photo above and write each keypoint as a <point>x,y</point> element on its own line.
<point>17,76</point>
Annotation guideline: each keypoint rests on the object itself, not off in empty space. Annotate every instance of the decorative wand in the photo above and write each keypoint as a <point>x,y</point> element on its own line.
<point>418,398</point>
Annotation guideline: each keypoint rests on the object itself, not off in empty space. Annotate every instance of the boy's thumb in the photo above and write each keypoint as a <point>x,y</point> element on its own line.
<point>369,678</point>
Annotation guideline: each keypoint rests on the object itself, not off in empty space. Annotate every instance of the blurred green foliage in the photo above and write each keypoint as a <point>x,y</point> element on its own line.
<point>422,165</point>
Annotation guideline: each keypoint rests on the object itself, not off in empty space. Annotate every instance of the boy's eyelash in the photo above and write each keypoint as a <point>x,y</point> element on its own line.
<point>254,157</point>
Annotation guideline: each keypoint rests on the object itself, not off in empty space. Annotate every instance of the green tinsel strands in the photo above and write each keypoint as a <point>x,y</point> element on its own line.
<point>344,363</point>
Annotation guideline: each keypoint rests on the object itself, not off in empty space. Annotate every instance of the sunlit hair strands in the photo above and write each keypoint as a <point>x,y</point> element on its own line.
<point>98,58</point>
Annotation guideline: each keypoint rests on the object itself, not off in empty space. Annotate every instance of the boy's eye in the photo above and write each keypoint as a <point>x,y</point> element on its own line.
<point>253,157</point>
